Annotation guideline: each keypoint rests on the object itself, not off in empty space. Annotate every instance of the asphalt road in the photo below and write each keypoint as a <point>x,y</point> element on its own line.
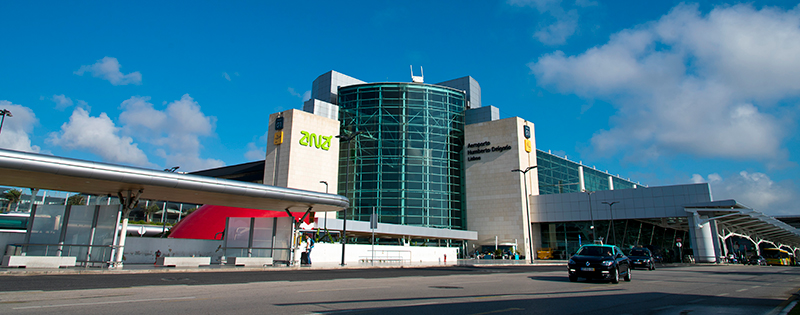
<point>446,290</point>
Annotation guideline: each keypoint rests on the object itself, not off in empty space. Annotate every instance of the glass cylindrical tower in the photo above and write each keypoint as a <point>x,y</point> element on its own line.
<point>407,162</point>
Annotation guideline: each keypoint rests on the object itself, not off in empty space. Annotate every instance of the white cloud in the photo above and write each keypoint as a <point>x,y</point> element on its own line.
<point>139,118</point>
<point>98,135</point>
<point>226,76</point>
<point>108,69</point>
<point>558,23</point>
<point>84,105</point>
<point>257,150</point>
<point>255,153</point>
<point>690,84</point>
<point>305,96</point>
<point>557,33</point>
<point>16,129</point>
<point>62,101</point>
<point>755,190</point>
<point>176,131</point>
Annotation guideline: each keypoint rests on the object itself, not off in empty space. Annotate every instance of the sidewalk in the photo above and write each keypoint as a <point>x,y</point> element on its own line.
<point>150,268</point>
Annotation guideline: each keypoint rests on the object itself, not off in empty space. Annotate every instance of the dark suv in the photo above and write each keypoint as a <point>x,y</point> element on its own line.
<point>642,258</point>
<point>605,262</point>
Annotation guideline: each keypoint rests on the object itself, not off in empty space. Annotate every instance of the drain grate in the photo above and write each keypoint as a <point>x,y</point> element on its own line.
<point>445,287</point>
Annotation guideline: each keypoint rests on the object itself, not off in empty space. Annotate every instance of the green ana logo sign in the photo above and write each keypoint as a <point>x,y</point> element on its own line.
<point>318,141</point>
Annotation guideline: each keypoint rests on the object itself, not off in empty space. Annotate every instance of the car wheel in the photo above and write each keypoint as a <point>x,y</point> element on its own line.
<point>614,276</point>
<point>573,278</point>
<point>628,275</point>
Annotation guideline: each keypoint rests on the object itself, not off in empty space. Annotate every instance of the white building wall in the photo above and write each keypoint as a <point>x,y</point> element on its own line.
<point>495,195</point>
<point>298,162</point>
<point>142,250</point>
<point>357,253</point>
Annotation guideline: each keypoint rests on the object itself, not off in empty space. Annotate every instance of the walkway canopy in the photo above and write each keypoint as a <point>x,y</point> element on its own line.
<point>740,220</point>
<point>40,171</point>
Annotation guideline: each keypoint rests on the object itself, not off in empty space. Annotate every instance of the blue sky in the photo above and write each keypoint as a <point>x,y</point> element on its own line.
<point>661,92</point>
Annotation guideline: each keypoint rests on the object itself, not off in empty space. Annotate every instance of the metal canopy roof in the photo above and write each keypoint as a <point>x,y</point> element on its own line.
<point>743,220</point>
<point>21,169</point>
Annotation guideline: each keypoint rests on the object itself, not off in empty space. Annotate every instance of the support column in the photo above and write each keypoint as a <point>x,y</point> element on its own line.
<point>703,239</point>
<point>34,192</point>
<point>127,204</point>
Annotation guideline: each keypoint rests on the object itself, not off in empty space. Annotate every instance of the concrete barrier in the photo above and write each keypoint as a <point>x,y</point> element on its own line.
<point>250,261</point>
<point>183,261</point>
<point>39,261</point>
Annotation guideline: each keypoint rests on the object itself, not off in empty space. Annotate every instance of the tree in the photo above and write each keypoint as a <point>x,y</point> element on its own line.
<point>13,196</point>
<point>148,212</point>
<point>76,200</point>
<point>188,212</point>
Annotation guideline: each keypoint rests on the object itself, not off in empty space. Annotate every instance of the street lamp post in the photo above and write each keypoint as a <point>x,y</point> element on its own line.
<point>591,214</point>
<point>611,222</point>
<point>4,113</point>
<point>527,209</point>
<point>326,212</point>
<point>344,138</point>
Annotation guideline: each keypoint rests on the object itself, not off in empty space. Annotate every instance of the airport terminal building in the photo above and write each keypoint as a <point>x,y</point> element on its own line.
<point>425,168</point>
<point>436,167</point>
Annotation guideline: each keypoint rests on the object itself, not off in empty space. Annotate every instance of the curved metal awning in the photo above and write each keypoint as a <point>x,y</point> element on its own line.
<point>40,171</point>
<point>740,219</point>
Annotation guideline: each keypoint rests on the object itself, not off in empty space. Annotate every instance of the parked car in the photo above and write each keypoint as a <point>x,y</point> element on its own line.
<point>757,260</point>
<point>642,258</point>
<point>606,262</point>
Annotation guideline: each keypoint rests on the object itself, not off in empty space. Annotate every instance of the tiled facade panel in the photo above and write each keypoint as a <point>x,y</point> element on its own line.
<point>495,196</point>
<point>639,203</point>
<point>303,164</point>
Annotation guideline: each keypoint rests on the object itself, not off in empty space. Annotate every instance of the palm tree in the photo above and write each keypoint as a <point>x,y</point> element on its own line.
<point>13,196</point>
<point>148,212</point>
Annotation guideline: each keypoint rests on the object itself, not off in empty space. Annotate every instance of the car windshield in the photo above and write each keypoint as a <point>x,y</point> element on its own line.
<point>595,251</point>
<point>639,252</point>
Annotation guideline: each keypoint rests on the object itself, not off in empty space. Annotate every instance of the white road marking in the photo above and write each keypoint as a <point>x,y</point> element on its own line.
<point>723,294</point>
<point>106,302</point>
<point>741,290</point>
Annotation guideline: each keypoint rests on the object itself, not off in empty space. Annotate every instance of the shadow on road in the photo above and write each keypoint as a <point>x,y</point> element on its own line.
<point>643,303</point>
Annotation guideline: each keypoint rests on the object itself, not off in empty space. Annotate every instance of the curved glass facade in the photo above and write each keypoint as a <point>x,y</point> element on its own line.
<point>407,162</point>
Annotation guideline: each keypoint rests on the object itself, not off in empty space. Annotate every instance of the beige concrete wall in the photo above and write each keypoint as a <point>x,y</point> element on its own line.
<point>496,195</point>
<point>303,165</point>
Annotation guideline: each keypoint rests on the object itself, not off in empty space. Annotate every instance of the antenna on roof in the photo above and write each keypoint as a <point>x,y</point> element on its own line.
<point>417,79</point>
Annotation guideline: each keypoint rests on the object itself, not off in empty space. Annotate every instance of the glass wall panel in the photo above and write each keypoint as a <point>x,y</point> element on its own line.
<point>564,238</point>
<point>262,233</point>
<point>238,233</point>
<point>413,143</point>
<point>47,224</point>
<point>558,175</point>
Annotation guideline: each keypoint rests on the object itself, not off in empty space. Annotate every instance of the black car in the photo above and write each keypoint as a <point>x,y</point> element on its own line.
<point>642,258</point>
<point>605,262</point>
<point>757,260</point>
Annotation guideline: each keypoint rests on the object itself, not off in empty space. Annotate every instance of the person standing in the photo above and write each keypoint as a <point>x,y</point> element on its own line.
<point>309,245</point>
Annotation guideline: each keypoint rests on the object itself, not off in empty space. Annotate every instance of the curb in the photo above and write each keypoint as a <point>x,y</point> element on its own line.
<point>787,306</point>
